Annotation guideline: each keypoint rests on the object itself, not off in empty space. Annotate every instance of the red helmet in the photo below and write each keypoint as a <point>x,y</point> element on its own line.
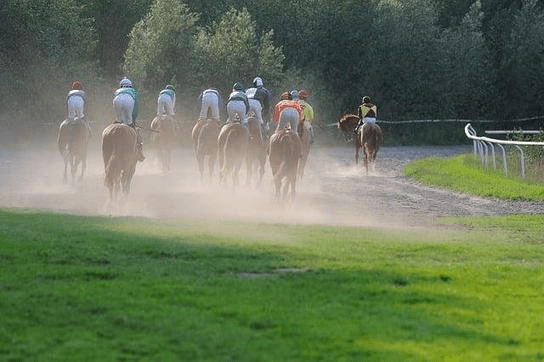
<point>303,94</point>
<point>284,96</point>
<point>76,85</point>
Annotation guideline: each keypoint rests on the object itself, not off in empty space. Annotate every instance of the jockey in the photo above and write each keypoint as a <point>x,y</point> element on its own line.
<point>289,111</point>
<point>210,101</point>
<point>309,116</point>
<point>126,106</point>
<point>76,103</point>
<point>259,100</point>
<point>367,113</point>
<point>237,105</point>
<point>166,101</point>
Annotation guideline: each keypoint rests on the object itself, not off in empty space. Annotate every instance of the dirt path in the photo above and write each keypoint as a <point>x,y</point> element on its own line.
<point>333,191</point>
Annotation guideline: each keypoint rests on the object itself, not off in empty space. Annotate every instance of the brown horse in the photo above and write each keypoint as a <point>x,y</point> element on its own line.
<point>119,152</point>
<point>205,135</point>
<point>304,134</point>
<point>347,123</point>
<point>163,139</point>
<point>369,138</point>
<point>284,156</point>
<point>232,143</point>
<point>72,141</point>
<point>256,151</point>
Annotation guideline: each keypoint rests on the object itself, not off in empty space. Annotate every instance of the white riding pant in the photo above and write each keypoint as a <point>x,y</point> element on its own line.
<point>369,120</point>
<point>76,105</point>
<point>291,116</point>
<point>210,101</point>
<point>237,108</point>
<point>257,108</point>
<point>123,105</point>
<point>165,105</point>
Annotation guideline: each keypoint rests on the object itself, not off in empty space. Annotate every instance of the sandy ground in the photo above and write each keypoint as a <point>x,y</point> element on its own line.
<point>334,190</point>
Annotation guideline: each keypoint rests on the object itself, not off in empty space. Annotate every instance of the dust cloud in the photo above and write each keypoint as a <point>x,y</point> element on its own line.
<point>32,177</point>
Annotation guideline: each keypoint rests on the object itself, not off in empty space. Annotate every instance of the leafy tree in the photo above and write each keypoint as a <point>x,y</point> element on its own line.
<point>231,51</point>
<point>161,46</point>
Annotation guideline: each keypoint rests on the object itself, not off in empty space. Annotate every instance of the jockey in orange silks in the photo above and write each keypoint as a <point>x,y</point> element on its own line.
<point>289,111</point>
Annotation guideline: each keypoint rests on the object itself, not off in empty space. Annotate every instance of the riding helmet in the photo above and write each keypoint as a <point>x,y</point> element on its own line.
<point>125,82</point>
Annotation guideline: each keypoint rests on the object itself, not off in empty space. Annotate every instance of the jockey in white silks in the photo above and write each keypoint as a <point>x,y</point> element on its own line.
<point>259,100</point>
<point>126,106</point>
<point>166,101</point>
<point>289,111</point>
<point>75,104</point>
<point>210,101</point>
<point>237,105</point>
<point>75,101</point>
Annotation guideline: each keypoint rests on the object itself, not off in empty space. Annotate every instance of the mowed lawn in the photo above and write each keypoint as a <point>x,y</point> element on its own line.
<point>79,288</point>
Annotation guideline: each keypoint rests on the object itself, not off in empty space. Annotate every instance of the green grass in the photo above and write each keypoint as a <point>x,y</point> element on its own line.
<point>102,289</point>
<point>460,173</point>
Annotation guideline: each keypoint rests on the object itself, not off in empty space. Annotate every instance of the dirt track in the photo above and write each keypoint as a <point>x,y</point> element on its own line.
<point>333,191</point>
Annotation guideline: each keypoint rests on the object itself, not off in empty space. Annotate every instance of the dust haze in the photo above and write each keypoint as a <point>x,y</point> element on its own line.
<point>333,191</point>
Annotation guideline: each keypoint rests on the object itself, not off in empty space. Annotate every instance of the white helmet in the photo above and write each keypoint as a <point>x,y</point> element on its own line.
<point>125,82</point>
<point>258,82</point>
<point>294,94</point>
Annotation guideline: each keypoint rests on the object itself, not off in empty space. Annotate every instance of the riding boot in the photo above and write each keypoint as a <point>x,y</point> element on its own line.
<point>359,123</point>
<point>139,145</point>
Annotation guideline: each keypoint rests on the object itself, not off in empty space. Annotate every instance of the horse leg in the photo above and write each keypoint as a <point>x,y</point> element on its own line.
<point>66,161</point>
<point>83,167</point>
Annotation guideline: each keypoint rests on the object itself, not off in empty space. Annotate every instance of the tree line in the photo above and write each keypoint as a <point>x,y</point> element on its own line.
<point>416,59</point>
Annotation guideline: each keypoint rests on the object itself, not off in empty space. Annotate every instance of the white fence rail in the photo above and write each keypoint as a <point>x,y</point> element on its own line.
<point>484,145</point>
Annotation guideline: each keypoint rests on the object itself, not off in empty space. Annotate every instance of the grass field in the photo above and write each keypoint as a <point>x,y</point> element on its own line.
<point>80,288</point>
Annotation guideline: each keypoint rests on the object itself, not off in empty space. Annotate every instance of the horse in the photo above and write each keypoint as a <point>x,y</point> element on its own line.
<point>347,122</point>
<point>163,139</point>
<point>119,152</point>
<point>369,138</point>
<point>284,157</point>
<point>232,144</point>
<point>72,141</point>
<point>205,135</point>
<point>256,151</point>
<point>304,134</point>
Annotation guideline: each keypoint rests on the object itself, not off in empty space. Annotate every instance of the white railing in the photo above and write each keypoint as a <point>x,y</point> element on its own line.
<point>483,144</point>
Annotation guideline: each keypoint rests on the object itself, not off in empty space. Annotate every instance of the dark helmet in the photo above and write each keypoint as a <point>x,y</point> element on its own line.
<point>238,86</point>
<point>171,87</point>
<point>294,94</point>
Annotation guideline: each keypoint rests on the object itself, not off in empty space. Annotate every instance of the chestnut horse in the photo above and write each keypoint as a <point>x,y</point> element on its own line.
<point>232,143</point>
<point>72,141</point>
<point>369,138</point>
<point>163,139</point>
<point>205,135</point>
<point>284,156</point>
<point>119,153</point>
<point>256,151</point>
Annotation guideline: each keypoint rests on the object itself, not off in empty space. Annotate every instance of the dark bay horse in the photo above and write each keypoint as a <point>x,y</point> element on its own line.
<point>346,123</point>
<point>205,135</point>
<point>284,156</point>
<point>232,143</point>
<point>369,138</point>
<point>256,151</point>
<point>163,139</point>
<point>72,141</point>
<point>120,156</point>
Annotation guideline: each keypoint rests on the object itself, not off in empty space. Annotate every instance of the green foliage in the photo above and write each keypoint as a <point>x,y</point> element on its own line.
<point>161,46</point>
<point>231,51</point>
